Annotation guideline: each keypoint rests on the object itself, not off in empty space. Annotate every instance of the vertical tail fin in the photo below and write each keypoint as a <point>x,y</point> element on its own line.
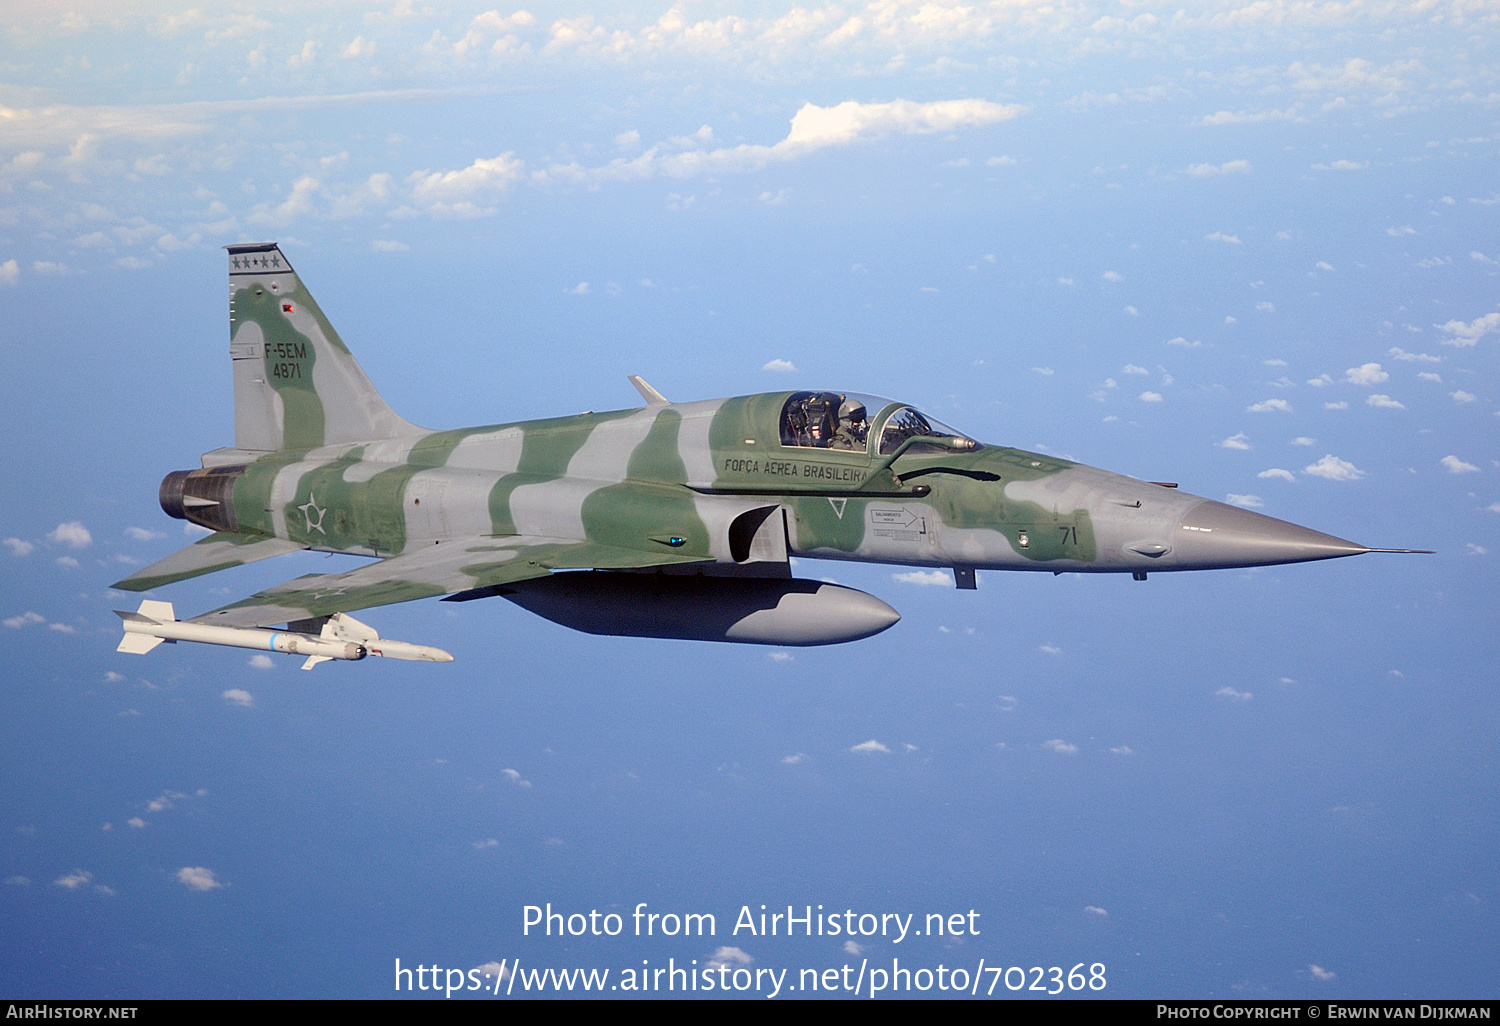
<point>296,385</point>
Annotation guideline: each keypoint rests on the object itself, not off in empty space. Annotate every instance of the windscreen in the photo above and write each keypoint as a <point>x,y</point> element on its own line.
<point>908,423</point>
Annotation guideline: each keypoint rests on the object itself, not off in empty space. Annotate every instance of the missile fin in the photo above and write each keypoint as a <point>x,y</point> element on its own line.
<point>138,644</point>
<point>161,612</point>
<point>343,627</point>
<point>314,661</point>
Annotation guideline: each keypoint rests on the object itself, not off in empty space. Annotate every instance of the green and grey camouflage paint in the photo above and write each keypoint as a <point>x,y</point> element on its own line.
<point>321,462</point>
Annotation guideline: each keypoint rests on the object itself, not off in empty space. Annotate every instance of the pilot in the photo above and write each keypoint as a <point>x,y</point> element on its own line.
<point>852,429</point>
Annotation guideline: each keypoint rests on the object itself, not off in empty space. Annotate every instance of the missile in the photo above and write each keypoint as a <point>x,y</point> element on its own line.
<point>340,637</point>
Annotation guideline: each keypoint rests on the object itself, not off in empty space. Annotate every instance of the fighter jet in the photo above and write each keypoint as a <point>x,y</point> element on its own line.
<point>669,520</point>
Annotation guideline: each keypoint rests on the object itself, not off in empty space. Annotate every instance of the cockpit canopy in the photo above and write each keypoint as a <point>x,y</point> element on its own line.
<point>845,420</point>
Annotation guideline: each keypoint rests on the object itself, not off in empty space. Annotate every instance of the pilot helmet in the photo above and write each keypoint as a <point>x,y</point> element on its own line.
<point>852,410</point>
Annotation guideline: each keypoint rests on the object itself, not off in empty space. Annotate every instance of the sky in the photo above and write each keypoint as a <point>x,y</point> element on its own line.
<point>1251,247</point>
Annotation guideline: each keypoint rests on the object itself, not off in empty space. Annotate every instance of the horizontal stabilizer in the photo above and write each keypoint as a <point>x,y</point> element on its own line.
<point>218,551</point>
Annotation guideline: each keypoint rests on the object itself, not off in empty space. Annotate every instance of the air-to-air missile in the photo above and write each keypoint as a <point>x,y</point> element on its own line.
<point>671,520</point>
<point>339,636</point>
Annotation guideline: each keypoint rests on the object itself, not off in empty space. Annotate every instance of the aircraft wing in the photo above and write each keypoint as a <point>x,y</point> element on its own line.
<point>453,566</point>
<point>218,551</point>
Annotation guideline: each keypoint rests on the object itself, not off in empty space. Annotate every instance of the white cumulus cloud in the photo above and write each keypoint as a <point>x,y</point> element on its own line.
<point>463,192</point>
<point>870,746</point>
<point>779,365</point>
<point>1233,695</point>
<point>1207,170</point>
<point>1396,352</point>
<point>1060,746</point>
<point>1463,334</point>
<point>727,958</point>
<point>1366,374</point>
<point>239,697</point>
<point>1455,465</point>
<point>1334,469</point>
<point>18,547</point>
<point>1385,402</point>
<point>72,534</point>
<point>1271,406</point>
<point>1248,501</point>
<point>494,970</point>
<point>813,128</point>
<point>1277,472</point>
<point>197,878</point>
<point>1240,441</point>
<point>924,577</point>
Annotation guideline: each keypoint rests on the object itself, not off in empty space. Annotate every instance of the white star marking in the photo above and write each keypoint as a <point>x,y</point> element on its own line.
<point>310,507</point>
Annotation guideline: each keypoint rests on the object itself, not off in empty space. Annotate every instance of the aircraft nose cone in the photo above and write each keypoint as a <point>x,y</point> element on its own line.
<point>1213,534</point>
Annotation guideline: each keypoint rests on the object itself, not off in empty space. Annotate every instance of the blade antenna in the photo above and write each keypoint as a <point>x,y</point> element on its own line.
<point>651,395</point>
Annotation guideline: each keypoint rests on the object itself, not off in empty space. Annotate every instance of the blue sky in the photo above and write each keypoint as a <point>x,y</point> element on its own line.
<point>1249,247</point>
